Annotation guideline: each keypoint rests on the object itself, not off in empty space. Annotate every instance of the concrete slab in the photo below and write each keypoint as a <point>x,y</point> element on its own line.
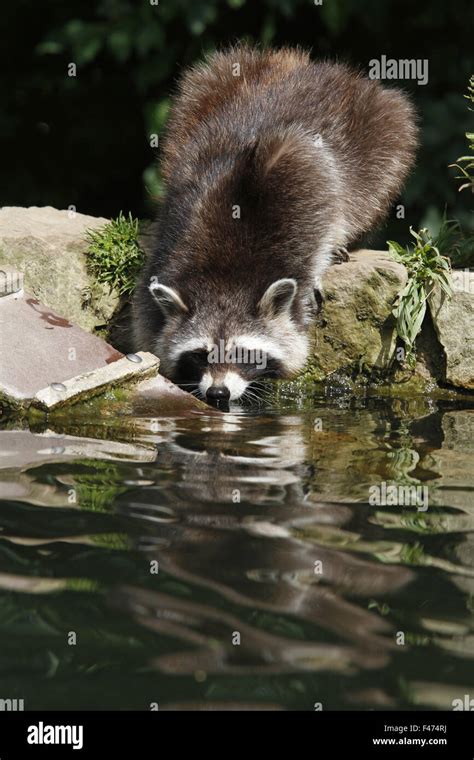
<point>130,367</point>
<point>47,361</point>
<point>39,347</point>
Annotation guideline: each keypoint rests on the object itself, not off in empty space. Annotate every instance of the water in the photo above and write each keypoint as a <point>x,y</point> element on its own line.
<point>136,553</point>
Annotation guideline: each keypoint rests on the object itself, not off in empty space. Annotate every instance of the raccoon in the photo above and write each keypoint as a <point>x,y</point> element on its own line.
<point>272,164</point>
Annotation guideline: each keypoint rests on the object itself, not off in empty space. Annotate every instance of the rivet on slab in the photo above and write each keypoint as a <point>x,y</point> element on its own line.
<point>134,358</point>
<point>58,386</point>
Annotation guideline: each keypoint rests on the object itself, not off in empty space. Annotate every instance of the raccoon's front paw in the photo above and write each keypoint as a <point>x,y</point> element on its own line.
<point>340,255</point>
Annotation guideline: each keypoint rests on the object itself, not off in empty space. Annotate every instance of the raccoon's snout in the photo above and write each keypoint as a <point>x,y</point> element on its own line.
<point>218,393</point>
<point>222,386</point>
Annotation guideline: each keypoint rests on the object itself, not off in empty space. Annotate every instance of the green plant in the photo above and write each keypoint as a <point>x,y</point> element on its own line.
<point>114,256</point>
<point>457,243</point>
<point>466,163</point>
<point>426,268</point>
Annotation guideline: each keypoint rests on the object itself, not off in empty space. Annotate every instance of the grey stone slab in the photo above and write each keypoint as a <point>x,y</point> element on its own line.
<point>46,362</point>
<point>39,347</point>
<point>96,381</point>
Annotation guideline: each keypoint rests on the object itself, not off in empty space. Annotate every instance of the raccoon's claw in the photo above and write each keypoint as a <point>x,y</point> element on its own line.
<point>340,255</point>
<point>318,300</point>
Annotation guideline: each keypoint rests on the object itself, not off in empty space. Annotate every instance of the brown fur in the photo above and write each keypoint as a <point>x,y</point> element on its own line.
<point>252,141</point>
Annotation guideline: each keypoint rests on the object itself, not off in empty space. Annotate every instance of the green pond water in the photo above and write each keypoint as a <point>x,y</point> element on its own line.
<point>136,553</point>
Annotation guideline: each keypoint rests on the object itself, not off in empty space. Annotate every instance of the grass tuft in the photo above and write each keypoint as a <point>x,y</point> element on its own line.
<point>114,256</point>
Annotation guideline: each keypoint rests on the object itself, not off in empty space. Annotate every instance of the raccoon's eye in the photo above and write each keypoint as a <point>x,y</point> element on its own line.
<point>200,358</point>
<point>268,367</point>
<point>273,369</point>
<point>190,367</point>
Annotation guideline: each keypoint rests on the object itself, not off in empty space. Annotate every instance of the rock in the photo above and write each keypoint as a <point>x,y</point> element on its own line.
<point>49,246</point>
<point>453,320</point>
<point>46,361</point>
<point>38,347</point>
<point>353,339</point>
<point>96,381</point>
<point>356,328</point>
<point>158,395</point>
<point>47,364</point>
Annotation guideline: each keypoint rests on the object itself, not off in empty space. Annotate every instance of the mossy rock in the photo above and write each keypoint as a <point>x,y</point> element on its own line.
<point>356,328</point>
<point>49,247</point>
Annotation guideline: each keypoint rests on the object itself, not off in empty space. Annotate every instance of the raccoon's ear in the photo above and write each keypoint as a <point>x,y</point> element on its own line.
<point>278,298</point>
<point>168,299</point>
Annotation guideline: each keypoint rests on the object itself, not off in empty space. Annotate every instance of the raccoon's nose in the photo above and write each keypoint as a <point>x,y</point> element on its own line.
<point>218,392</point>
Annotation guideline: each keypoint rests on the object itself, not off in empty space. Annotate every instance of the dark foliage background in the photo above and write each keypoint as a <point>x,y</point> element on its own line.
<point>84,140</point>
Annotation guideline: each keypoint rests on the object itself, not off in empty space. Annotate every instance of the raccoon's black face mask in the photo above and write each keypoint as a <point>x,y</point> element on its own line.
<point>192,365</point>
<point>222,364</point>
